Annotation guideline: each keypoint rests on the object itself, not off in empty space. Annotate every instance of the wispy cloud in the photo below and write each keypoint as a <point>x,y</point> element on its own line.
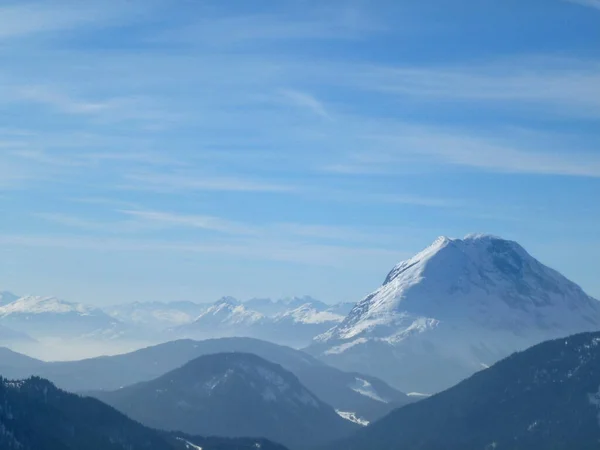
<point>591,3</point>
<point>192,221</point>
<point>64,103</point>
<point>115,109</point>
<point>312,254</point>
<point>27,18</point>
<point>392,198</point>
<point>434,148</point>
<point>310,23</point>
<point>200,182</point>
<point>136,220</point>
<point>569,85</point>
<point>80,223</point>
<point>83,157</point>
<point>307,101</point>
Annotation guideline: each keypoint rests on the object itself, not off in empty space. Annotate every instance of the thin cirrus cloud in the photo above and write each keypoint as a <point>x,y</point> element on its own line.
<point>343,22</point>
<point>303,253</point>
<point>115,109</point>
<point>569,84</point>
<point>65,103</point>
<point>200,182</point>
<point>306,101</point>
<point>139,220</point>
<point>204,222</point>
<point>284,232</point>
<point>437,148</point>
<point>32,18</point>
<point>590,3</point>
<point>90,157</point>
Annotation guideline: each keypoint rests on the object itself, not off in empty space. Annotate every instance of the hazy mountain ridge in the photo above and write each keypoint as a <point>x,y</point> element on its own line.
<point>35,415</point>
<point>546,397</point>
<point>233,395</point>
<point>460,305</point>
<point>367,397</point>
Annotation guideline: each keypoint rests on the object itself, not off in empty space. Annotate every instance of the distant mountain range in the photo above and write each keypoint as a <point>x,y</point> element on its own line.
<point>545,398</point>
<point>42,317</point>
<point>366,397</point>
<point>456,307</point>
<point>157,315</point>
<point>35,415</point>
<point>292,321</point>
<point>232,395</point>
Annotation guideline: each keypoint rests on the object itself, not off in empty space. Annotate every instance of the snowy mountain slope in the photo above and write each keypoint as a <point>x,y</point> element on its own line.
<point>269,307</point>
<point>227,313</point>
<point>157,315</point>
<point>43,317</point>
<point>455,307</point>
<point>232,395</point>
<point>229,316</point>
<point>295,325</point>
<point>308,314</point>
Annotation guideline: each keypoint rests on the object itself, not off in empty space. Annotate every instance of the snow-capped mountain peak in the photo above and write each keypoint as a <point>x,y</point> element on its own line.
<point>480,277</point>
<point>50,317</point>
<point>308,314</point>
<point>40,305</point>
<point>474,299</point>
<point>229,301</point>
<point>228,311</point>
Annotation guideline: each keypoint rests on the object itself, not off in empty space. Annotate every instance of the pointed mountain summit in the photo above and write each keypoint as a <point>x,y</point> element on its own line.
<point>454,308</point>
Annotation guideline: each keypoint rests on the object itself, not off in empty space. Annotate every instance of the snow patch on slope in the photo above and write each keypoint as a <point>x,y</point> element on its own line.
<point>189,445</point>
<point>363,387</point>
<point>352,417</point>
<point>308,314</point>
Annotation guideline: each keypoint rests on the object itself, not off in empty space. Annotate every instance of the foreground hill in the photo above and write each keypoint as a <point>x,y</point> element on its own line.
<point>545,398</point>
<point>233,395</point>
<point>456,307</point>
<point>35,415</point>
<point>367,397</point>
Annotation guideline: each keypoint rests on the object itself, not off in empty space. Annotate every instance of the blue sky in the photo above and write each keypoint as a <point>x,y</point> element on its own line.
<point>154,150</point>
